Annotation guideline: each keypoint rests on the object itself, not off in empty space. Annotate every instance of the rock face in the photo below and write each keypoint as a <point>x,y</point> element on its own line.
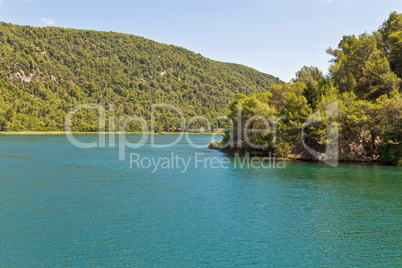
<point>213,145</point>
<point>24,78</point>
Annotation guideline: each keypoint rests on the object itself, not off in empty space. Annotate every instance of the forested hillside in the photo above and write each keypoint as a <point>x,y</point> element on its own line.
<point>364,82</point>
<point>46,71</point>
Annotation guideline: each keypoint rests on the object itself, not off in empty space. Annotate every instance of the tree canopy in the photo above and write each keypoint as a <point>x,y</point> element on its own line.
<point>364,81</point>
<point>44,72</point>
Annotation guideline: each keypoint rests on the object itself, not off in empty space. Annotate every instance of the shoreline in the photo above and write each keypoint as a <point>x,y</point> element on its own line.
<point>352,162</point>
<point>38,133</point>
<point>21,133</point>
<point>313,160</point>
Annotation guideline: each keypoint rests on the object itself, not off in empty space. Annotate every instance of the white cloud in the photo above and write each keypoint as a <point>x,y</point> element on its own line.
<point>1,2</point>
<point>47,21</point>
<point>321,55</point>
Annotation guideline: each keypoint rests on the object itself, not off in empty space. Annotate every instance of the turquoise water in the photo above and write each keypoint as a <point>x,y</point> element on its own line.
<point>65,206</point>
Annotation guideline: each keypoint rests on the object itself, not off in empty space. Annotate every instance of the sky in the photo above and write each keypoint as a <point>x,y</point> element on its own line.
<point>274,37</point>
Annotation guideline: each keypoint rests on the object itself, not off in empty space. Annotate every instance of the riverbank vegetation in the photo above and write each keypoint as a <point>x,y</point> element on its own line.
<point>364,82</point>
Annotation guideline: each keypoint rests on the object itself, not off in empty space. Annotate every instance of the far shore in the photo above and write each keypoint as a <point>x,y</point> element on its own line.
<point>11,133</point>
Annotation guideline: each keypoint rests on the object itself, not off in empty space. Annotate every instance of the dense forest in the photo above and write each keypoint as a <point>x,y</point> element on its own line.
<point>364,81</point>
<point>44,72</point>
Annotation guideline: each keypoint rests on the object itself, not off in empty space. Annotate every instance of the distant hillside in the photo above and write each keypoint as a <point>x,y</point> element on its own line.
<point>46,71</point>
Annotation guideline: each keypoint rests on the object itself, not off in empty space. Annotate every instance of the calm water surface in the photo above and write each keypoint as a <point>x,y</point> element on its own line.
<point>65,206</point>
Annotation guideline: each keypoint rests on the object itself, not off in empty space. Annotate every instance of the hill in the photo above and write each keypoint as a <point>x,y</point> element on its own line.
<point>44,72</point>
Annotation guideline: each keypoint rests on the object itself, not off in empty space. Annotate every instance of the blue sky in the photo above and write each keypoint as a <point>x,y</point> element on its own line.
<point>275,37</point>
